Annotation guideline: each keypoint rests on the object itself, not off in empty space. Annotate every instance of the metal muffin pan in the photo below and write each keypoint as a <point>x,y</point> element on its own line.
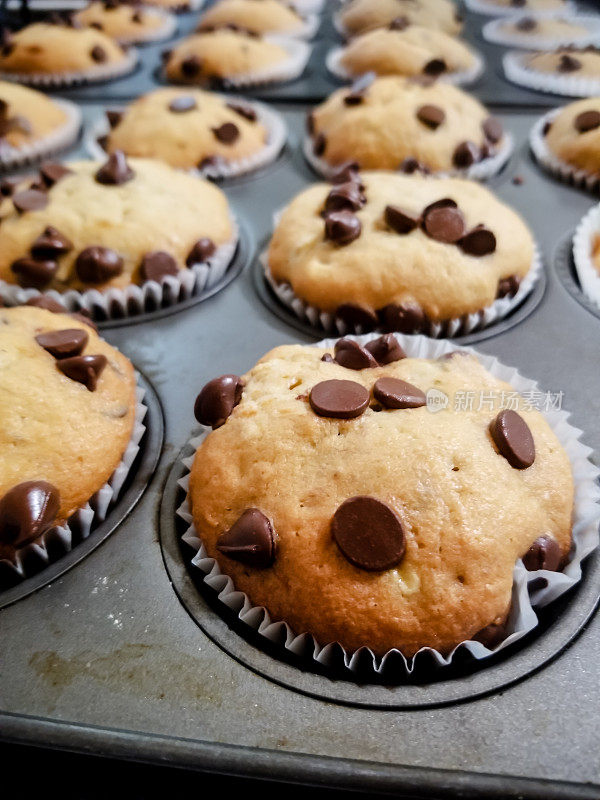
<point>124,656</point>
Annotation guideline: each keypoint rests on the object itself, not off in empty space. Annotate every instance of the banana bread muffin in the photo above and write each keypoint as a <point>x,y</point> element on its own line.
<point>573,136</point>
<point>561,29</point>
<point>127,23</point>
<point>415,540</point>
<point>568,61</point>
<point>360,16</point>
<point>254,16</point>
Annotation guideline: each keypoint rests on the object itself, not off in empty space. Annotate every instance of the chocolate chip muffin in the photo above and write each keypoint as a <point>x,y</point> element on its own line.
<point>567,61</point>
<point>415,540</point>
<point>545,27</point>
<point>573,136</point>
<point>527,5</point>
<point>126,23</point>
<point>187,128</point>
<point>68,410</point>
<point>381,123</point>
<point>43,49</point>
<point>215,57</point>
<point>394,251</point>
<point>360,16</point>
<point>254,16</point>
<point>27,117</point>
<point>89,225</point>
<point>406,50</point>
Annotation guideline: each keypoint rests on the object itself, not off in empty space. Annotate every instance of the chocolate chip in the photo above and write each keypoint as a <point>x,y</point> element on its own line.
<point>212,162</point>
<point>98,265</point>
<point>310,123</point>
<point>250,540</point>
<point>492,634</point>
<point>82,316</point>
<point>98,54</point>
<point>47,303</point>
<point>517,180</point>
<point>493,130</point>
<point>435,67</point>
<point>352,355</point>
<point>399,221</point>
<point>166,55</point>
<point>355,316</point>
<point>385,349</point>
<point>546,128</point>
<point>404,317</point>
<point>544,553</point>
<point>587,121</point>
<point>114,117</point>
<point>513,439</point>
<point>201,251</point>
<point>319,145</point>
<point>27,511</point>
<point>345,195</point>
<point>399,24</point>
<point>394,393</point>
<point>443,223</point>
<point>328,358</point>
<point>465,154</point>
<point>247,112</point>
<point>358,89</point>
<point>227,133</point>
<point>508,286</point>
<point>478,242</point>
<point>137,17</point>
<point>518,3</point>
<point>50,243</point>
<point>217,400</point>
<point>369,533</point>
<point>30,200</point>
<point>116,170</point>
<point>568,64</point>
<point>157,265</point>
<point>97,25</point>
<point>83,369</point>
<point>342,227</point>
<point>8,185</point>
<point>526,24</point>
<point>348,173</point>
<point>182,103</point>
<point>339,399</point>
<point>411,165</point>
<point>103,142</point>
<point>63,344</point>
<point>32,273</point>
<point>431,116</point>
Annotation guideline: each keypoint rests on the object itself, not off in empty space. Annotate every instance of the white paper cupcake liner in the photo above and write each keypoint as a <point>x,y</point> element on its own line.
<point>481,171</point>
<point>544,156</point>
<point>309,28</point>
<point>308,6</point>
<point>528,589</point>
<point>492,31</point>
<point>54,142</point>
<point>79,525</point>
<point>100,73</point>
<point>134,300</point>
<point>505,11</point>
<point>164,31</point>
<point>269,118</point>
<point>569,85</point>
<point>588,275</point>
<point>335,66</point>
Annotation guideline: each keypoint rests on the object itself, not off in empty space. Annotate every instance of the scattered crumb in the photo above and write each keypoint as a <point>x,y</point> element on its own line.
<point>518,180</point>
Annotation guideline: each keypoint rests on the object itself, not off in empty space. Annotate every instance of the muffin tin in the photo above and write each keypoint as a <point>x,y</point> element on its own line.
<point>125,655</point>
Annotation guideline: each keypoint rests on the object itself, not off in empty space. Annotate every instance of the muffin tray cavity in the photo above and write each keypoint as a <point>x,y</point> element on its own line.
<point>128,654</point>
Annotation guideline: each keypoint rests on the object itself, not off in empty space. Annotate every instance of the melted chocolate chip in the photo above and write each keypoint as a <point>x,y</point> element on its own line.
<point>250,540</point>
<point>33,273</point>
<point>513,439</point>
<point>201,251</point>
<point>345,195</point>
<point>63,344</point>
<point>431,116</point>
<point>385,349</point>
<point>568,64</point>
<point>157,265</point>
<point>444,224</point>
<point>52,172</point>
<point>465,154</point>
<point>352,355</point>
<point>98,54</point>
<point>369,534</point>
<point>435,67</point>
<point>587,121</point>
<point>27,511</point>
<point>114,117</point>
<point>411,165</point>
<point>402,318</point>
<point>544,553</point>
<point>247,112</point>
<point>217,400</point>
<point>339,399</point>
<point>508,286</point>
<point>50,243</point>
<point>328,358</point>
<point>98,265</point>
<point>493,130</point>
<point>355,316</point>
<point>394,393</point>
<point>30,200</point>
<point>399,221</point>
<point>227,133</point>
<point>47,303</point>
<point>83,369</point>
<point>342,227</point>
<point>478,242</point>
<point>116,170</point>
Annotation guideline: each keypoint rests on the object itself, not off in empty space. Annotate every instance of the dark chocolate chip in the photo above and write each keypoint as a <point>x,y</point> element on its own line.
<point>98,54</point>
<point>526,24</point>
<point>30,200</point>
<point>103,142</point>
<point>352,355</point>
<point>369,533</point>
<point>444,224</point>
<point>431,116</point>
<point>546,128</point>
<point>394,393</point>
<point>435,67</point>
<point>166,55</point>
<point>83,369</point>
<point>32,273</point>
<point>227,133</point>
<point>63,344</point>
<point>339,399</point>
<point>98,265</point>
<point>247,112</point>
<point>8,185</point>
<point>399,24</point>
<point>217,400</point>
<point>114,117</point>
<point>157,265</point>
<point>493,130</point>
<point>404,318</point>
<point>50,243</point>
<point>348,173</point>
<point>544,553</point>
<point>27,511</point>
<point>508,286</point>
<point>518,3</point>
<point>250,540</point>
<point>310,123</point>
<point>328,358</point>
<point>342,227</point>
<point>518,180</point>
<point>47,303</point>
<point>97,26</point>
<point>116,170</point>
<point>345,195</point>
<point>137,17</point>
<point>568,64</point>
<point>587,121</point>
<point>513,439</point>
<point>355,316</point>
<point>201,251</point>
<point>411,165</point>
<point>399,221</point>
<point>319,144</point>
<point>478,242</point>
<point>385,349</point>
<point>53,171</point>
<point>465,154</point>
<point>492,634</point>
